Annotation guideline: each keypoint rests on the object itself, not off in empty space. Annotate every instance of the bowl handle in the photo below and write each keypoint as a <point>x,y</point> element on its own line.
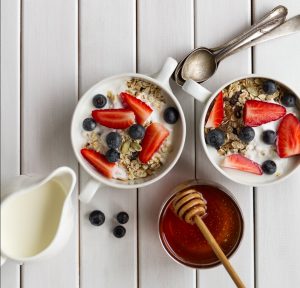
<point>196,90</point>
<point>163,76</point>
<point>89,190</point>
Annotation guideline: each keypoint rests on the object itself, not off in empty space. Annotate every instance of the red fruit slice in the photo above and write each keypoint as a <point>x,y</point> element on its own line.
<point>288,136</point>
<point>141,110</point>
<point>155,135</point>
<point>99,162</point>
<point>217,113</point>
<point>257,112</point>
<point>242,163</point>
<point>114,118</point>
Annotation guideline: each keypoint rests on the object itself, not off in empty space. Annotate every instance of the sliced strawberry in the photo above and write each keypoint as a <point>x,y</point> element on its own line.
<point>98,161</point>
<point>141,110</point>
<point>288,136</point>
<point>155,135</point>
<point>217,113</point>
<point>239,162</point>
<point>257,112</point>
<point>114,118</point>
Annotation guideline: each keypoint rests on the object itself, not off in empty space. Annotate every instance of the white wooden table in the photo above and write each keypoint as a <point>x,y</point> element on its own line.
<point>52,51</point>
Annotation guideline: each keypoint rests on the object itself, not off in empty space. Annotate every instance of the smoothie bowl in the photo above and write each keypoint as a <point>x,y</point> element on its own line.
<point>128,130</point>
<point>250,129</point>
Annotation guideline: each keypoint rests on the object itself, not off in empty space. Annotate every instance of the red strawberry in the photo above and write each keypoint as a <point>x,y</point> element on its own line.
<point>217,113</point>
<point>114,118</point>
<point>155,135</point>
<point>288,136</point>
<point>239,162</point>
<point>98,161</point>
<point>141,110</point>
<point>257,112</point>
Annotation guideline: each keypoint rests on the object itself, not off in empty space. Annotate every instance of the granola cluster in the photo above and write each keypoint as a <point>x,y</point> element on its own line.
<point>235,96</point>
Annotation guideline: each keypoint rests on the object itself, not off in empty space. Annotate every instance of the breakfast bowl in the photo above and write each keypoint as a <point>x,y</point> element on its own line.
<point>250,129</point>
<point>183,241</point>
<point>128,131</point>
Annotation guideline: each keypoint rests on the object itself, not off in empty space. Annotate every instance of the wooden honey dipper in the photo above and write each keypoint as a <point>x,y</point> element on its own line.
<point>190,206</point>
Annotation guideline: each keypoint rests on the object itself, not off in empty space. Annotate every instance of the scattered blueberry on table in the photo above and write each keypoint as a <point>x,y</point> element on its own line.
<point>119,231</point>
<point>99,101</point>
<point>269,137</point>
<point>136,131</point>
<point>246,134</point>
<point>112,155</point>
<point>269,167</point>
<point>89,124</point>
<point>113,140</point>
<point>122,217</point>
<point>97,218</point>
<point>171,115</point>
<point>269,87</point>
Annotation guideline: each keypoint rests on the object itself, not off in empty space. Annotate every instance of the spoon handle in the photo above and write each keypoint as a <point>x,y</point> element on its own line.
<point>289,27</point>
<point>269,22</point>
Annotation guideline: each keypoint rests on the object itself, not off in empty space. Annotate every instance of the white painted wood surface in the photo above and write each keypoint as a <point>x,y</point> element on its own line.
<point>243,260</point>
<point>106,261</point>
<point>10,112</point>
<point>49,95</point>
<point>277,246</point>
<point>66,44</point>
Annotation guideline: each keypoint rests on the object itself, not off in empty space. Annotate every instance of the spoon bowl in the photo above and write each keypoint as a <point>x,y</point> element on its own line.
<point>200,65</point>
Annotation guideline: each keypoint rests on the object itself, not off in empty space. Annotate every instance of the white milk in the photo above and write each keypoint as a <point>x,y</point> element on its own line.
<point>29,221</point>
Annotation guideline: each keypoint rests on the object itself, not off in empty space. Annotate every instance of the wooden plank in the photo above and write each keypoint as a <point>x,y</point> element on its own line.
<point>49,90</point>
<point>10,112</point>
<point>216,23</point>
<point>107,47</point>
<point>277,241</point>
<point>165,28</point>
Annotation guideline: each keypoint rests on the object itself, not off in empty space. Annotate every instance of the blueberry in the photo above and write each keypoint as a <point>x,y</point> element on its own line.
<point>122,217</point>
<point>99,101</point>
<point>269,137</point>
<point>89,124</point>
<point>112,155</point>
<point>246,134</point>
<point>269,87</point>
<point>269,167</point>
<point>288,100</point>
<point>136,131</point>
<point>119,231</point>
<point>113,140</point>
<point>215,138</point>
<point>171,115</point>
<point>97,218</point>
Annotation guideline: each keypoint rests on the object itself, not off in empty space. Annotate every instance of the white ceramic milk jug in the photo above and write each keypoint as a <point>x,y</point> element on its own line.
<point>37,217</point>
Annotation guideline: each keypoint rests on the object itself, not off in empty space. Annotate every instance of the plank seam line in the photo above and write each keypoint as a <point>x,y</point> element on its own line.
<point>78,166</point>
<point>21,109</point>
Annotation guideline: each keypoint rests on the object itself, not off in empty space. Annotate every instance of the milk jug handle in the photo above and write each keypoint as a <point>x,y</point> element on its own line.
<point>3,260</point>
<point>88,192</point>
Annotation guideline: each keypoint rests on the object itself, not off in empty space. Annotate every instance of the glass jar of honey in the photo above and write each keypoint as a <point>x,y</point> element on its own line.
<point>185,243</point>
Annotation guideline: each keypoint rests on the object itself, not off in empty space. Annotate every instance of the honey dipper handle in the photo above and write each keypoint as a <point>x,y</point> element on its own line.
<point>218,251</point>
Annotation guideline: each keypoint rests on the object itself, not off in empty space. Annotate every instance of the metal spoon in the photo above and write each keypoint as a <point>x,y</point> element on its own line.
<point>289,27</point>
<point>202,63</point>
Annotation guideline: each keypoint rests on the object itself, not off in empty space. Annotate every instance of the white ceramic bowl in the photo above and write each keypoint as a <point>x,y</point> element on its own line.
<point>83,110</point>
<point>206,97</point>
